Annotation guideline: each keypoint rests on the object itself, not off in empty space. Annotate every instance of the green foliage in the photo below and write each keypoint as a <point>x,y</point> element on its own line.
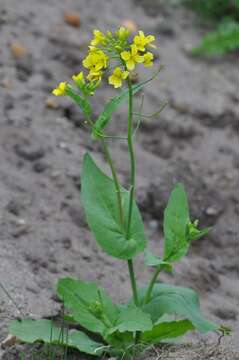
<point>176,219</point>
<point>224,14</point>
<point>152,260</point>
<point>170,299</point>
<point>167,330</point>
<point>88,304</point>
<point>83,104</point>
<point>215,9</point>
<point>99,199</point>
<point>132,319</point>
<point>178,229</point>
<point>221,41</point>
<point>44,331</point>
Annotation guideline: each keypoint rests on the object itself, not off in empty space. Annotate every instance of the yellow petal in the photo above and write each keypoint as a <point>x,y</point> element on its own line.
<point>125,55</point>
<point>125,75</point>
<point>130,64</point>
<point>56,92</point>
<point>139,59</point>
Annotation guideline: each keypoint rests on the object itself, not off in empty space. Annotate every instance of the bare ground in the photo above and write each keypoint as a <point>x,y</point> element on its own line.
<point>43,233</point>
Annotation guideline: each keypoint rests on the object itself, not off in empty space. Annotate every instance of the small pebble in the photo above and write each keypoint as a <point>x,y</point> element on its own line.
<point>72,18</point>
<point>18,50</point>
<point>51,103</point>
<point>211,211</point>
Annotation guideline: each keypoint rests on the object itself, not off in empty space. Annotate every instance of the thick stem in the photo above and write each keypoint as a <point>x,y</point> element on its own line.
<point>151,285</point>
<point>133,281</point>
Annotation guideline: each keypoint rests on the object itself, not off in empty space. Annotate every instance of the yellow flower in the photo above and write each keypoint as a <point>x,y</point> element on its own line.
<point>117,77</point>
<point>95,75</point>
<point>79,79</point>
<point>99,38</point>
<point>132,57</point>
<point>122,33</point>
<point>148,59</point>
<point>60,89</point>
<point>95,60</point>
<point>141,41</point>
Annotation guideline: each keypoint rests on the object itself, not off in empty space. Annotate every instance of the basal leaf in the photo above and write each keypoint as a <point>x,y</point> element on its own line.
<point>80,101</point>
<point>105,117</point>
<point>132,319</point>
<point>176,219</point>
<point>170,299</point>
<point>31,331</point>
<point>166,331</point>
<point>86,302</point>
<point>152,260</point>
<point>99,200</point>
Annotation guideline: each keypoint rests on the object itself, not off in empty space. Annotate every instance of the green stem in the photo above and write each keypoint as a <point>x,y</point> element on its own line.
<point>133,281</point>
<point>132,188</point>
<point>151,285</point>
<point>115,179</point>
<point>132,156</point>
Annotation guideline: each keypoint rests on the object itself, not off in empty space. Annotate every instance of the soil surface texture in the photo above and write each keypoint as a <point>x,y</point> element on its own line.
<point>43,231</point>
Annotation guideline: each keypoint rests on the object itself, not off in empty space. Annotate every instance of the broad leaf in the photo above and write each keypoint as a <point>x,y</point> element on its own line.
<point>105,117</point>
<point>80,101</point>
<point>31,331</point>
<point>176,219</point>
<point>152,260</point>
<point>170,299</point>
<point>166,331</point>
<point>87,302</point>
<point>99,199</point>
<point>132,319</point>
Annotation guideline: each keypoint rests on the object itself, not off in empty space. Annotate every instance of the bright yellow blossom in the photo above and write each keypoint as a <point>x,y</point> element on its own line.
<point>95,75</point>
<point>132,57</point>
<point>141,41</point>
<point>117,77</point>
<point>60,89</point>
<point>95,60</point>
<point>99,38</point>
<point>148,59</point>
<point>79,79</point>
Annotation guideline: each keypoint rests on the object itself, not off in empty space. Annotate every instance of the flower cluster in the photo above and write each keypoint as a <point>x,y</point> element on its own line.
<point>106,49</point>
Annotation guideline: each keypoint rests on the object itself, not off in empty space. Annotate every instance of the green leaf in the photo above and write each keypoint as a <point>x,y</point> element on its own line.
<point>80,101</point>
<point>221,41</point>
<point>132,319</point>
<point>105,117</point>
<point>89,305</point>
<point>170,299</point>
<point>152,260</point>
<point>99,199</point>
<point>31,331</point>
<point>176,219</point>
<point>167,330</point>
